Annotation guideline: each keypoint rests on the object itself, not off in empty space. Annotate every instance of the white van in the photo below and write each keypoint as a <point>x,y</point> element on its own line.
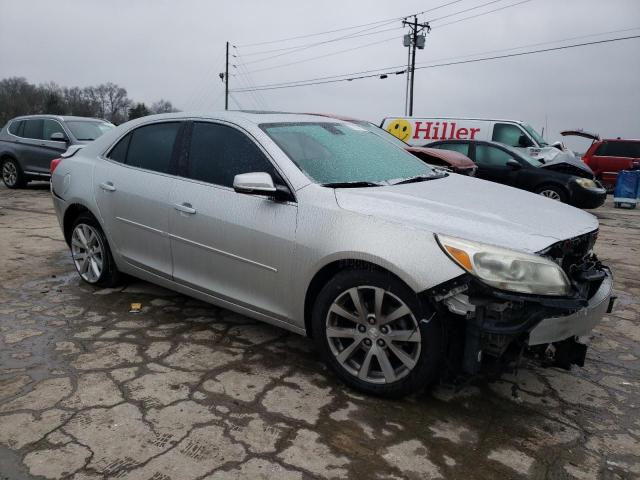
<point>419,132</point>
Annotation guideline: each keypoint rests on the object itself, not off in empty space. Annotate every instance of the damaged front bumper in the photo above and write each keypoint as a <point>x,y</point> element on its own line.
<point>491,329</point>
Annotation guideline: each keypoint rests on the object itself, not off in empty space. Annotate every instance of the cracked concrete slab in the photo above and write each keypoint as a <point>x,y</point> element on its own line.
<point>302,401</point>
<point>204,450</point>
<point>57,462</point>
<point>309,453</point>
<point>45,394</point>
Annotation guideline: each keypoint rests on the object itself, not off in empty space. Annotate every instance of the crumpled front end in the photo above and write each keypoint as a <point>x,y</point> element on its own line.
<point>490,329</point>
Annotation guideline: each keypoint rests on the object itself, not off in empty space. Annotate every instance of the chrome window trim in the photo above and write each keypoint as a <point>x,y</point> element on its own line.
<point>106,151</point>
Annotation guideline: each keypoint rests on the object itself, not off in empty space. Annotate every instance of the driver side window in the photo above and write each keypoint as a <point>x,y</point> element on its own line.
<point>489,156</point>
<point>218,153</point>
<point>508,134</point>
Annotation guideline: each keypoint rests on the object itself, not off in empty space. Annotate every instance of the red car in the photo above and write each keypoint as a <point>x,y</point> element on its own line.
<point>609,156</point>
<point>453,161</point>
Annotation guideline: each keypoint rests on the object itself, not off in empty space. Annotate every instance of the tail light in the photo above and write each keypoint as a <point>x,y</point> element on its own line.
<point>54,163</point>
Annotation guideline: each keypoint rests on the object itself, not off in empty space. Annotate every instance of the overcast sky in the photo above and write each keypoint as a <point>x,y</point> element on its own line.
<point>175,50</point>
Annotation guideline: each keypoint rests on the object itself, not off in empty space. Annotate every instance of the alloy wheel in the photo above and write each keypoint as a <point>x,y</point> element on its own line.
<point>552,194</point>
<point>9,173</point>
<point>373,334</point>
<point>88,252</point>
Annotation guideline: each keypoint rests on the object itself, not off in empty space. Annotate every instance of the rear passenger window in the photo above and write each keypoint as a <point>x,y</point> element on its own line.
<point>119,152</point>
<point>151,146</point>
<point>33,129</point>
<point>14,128</point>
<point>619,149</point>
<point>218,153</point>
<point>463,148</point>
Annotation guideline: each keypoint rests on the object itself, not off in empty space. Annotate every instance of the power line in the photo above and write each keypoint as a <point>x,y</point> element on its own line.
<point>304,83</point>
<point>325,55</point>
<point>464,11</point>
<point>359,34</point>
<point>348,28</point>
<point>379,70</point>
<point>296,48</point>
<point>482,13</point>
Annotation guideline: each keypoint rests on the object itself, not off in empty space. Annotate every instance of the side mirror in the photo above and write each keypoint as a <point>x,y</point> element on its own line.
<point>58,137</point>
<point>256,183</point>
<point>513,164</point>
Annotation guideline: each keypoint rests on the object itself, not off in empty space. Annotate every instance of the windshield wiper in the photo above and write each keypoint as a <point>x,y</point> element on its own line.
<point>419,178</point>
<point>351,184</point>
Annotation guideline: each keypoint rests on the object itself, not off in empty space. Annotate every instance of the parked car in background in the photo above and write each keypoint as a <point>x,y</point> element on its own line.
<point>557,180</point>
<point>29,143</point>
<point>401,273</point>
<point>452,161</point>
<point>607,157</point>
<point>419,132</point>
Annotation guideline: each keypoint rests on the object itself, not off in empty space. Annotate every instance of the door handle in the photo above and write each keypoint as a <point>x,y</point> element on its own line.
<point>185,208</point>
<point>108,186</point>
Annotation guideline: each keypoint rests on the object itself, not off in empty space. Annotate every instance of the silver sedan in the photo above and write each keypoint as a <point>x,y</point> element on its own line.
<point>400,272</point>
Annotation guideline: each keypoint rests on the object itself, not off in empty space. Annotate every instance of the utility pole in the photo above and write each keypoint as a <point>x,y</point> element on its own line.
<point>226,81</point>
<point>413,41</point>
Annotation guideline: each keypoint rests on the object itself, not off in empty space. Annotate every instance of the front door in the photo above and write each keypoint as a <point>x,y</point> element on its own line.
<point>133,189</point>
<point>492,165</point>
<point>236,246</point>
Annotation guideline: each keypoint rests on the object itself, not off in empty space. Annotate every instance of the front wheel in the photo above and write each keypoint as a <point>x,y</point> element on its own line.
<point>91,254</point>
<point>375,334</point>
<point>553,192</point>
<point>12,174</point>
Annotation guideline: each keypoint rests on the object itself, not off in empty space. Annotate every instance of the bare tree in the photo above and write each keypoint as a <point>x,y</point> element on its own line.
<point>108,101</point>
<point>162,106</point>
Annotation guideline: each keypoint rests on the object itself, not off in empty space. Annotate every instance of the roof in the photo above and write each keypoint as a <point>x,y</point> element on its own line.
<point>252,116</point>
<point>456,118</point>
<point>57,117</point>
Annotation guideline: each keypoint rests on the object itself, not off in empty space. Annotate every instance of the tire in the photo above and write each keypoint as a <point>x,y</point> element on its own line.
<point>349,347</point>
<point>97,268</point>
<point>12,174</point>
<point>553,192</point>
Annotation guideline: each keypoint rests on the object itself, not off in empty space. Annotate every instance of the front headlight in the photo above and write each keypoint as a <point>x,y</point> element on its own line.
<point>586,183</point>
<point>507,269</point>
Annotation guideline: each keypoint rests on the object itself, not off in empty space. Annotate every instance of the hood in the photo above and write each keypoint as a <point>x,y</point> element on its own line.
<point>472,209</point>
<point>568,162</point>
<point>578,132</point>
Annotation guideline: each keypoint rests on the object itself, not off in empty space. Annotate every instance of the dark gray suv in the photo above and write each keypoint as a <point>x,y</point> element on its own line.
<point>29,143</point>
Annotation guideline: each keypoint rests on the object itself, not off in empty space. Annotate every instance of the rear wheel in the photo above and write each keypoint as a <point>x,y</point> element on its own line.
<point>375,334</point>
<point>91,254</point>
<point>12,174</point>
<point>553,192</point>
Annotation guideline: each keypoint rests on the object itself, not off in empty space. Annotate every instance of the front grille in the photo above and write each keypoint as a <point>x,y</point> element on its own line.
<point>576,258</point>
<point>571,252</point>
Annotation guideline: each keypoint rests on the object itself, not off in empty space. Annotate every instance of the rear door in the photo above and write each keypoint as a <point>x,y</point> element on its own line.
<point>36,146</point>
<point>133,186</point>
<point>236,246</point>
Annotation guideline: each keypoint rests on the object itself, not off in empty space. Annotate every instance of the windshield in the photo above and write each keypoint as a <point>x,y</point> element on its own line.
<point>333,153</point>
<point>535,135</point>
<point>85,130</point>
